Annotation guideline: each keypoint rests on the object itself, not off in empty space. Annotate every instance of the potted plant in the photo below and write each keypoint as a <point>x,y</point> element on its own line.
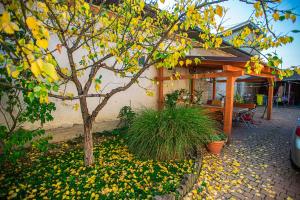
<point>216,142</point>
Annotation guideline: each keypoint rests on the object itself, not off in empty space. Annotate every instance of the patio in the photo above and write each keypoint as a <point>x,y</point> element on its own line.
<point>256,164</point>
<point>213,67</point>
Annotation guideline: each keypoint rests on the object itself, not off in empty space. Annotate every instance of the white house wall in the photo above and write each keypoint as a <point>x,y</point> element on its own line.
<point>66,116</point>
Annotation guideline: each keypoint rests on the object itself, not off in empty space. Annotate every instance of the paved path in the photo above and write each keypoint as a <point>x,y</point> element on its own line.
<point>255,165</point>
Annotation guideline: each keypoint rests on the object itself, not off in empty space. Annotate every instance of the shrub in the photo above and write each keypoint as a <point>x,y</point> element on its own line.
<point>126,116</point>
<point>17,109</point>
<point>171,99</point>
<point>168,134</point>
<point>13,145</point>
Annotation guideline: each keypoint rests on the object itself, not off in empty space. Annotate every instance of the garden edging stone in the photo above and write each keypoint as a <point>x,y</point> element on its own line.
<point>187,183</point>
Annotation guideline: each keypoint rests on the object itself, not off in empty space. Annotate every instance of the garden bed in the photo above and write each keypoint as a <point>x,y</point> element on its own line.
<point>117,173</point>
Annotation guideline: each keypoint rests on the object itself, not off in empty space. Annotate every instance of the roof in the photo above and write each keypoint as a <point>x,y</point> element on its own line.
<point>230,64</point>
<point>240,26</point>
<point>246,50</point>
<point>295,77</point>
<point>193,34</point>
<point>231,49</point>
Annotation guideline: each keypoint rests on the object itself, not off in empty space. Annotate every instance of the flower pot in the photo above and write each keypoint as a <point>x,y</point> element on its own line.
<point>215,147</point>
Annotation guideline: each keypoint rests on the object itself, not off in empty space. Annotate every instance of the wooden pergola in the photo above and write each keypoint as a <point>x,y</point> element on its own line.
<point>213,67</point>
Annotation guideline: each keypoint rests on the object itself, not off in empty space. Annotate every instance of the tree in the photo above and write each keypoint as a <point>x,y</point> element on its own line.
<point>16,109</point>
<point>126,38</point>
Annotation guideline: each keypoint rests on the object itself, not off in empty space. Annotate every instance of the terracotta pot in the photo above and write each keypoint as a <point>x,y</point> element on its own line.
<point>215,147</point>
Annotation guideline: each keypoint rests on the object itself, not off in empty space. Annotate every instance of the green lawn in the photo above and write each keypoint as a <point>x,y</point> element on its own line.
<point>117,174</point>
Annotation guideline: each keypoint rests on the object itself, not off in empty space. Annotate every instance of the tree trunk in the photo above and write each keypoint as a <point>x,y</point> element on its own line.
<point>88,143</point>
<point>88,135</point>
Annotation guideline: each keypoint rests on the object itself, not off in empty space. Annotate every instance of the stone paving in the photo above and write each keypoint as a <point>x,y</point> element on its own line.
<point>255,165</point>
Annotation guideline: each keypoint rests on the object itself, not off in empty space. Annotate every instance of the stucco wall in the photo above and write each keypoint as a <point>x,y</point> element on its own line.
<point>66,116</point>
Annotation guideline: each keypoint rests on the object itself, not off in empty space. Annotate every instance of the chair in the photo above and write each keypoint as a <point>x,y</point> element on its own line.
<point>247,118</point>
<point>216,102</point>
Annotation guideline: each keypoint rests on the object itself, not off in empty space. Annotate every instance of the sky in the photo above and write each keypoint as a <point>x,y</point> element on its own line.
<point>239,12</point>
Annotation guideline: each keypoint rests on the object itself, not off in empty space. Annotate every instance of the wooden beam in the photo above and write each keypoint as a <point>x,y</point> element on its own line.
<point>221,63</point>
<point>214,89</point>
<point>228,106</point>
<point>235,64</point>
<point>203,75</point>
<point>266,72</point>
<point>254,80</point>
<point>263,74</point>
<point>270,98</point>
<point>182,77</point>
<point>192,90</point>
<point>231,68</point>
<point>160,100</point>
<point>218,74</point>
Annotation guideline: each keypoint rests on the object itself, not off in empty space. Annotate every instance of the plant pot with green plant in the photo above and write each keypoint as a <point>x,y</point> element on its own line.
<point>216,142</point>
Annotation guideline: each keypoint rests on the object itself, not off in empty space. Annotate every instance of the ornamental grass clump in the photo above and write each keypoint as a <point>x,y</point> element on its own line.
<point>172,133</point>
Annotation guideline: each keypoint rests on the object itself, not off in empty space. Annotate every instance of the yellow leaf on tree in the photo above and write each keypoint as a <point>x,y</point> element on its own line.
<point>287,15</point>
<point>49,69</point>
<point>219,10</point>
<point>181,63</point>
<point>227,33</point>
<point>15,74</point>
<point>58,47</point>
<point>31,22</point>
<point>197,60</point>
<point>293,18</point>
<point>65,71</point>
<point>149,93</point>
<point>8,69</point>
<point>43,43</point>
<point>257,5</point>
<point>97,87</point>
<point>142,4</point>
<point>177,75</point>
<point>188,62</point>
<point>44,99</point>
<point>218,42</point>
<point>35,69</point>
<point>6,25</point>
<point>276,16</point>
<point>39,67</point>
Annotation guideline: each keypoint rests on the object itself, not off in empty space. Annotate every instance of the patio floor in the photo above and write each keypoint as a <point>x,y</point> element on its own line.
<point>255,165</point>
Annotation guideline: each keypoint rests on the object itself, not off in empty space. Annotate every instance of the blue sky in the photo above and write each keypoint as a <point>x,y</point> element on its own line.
<point>239,12</point>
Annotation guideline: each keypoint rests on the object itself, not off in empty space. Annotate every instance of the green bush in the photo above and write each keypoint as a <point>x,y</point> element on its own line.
<point>126,116</point>
<point>168,134</point>
<point>13,146</point>
<point>171,99</point>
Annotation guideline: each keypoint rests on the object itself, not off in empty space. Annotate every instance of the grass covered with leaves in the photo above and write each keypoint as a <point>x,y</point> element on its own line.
<point>117,174</point>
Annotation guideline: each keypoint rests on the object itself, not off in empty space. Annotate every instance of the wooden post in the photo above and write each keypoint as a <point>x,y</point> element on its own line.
<point>192,90</point>
<point>289,92</point>
<point>214,89</point>
<point>270,98</point>
<point>229,106</point>
<point>160,75</point>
